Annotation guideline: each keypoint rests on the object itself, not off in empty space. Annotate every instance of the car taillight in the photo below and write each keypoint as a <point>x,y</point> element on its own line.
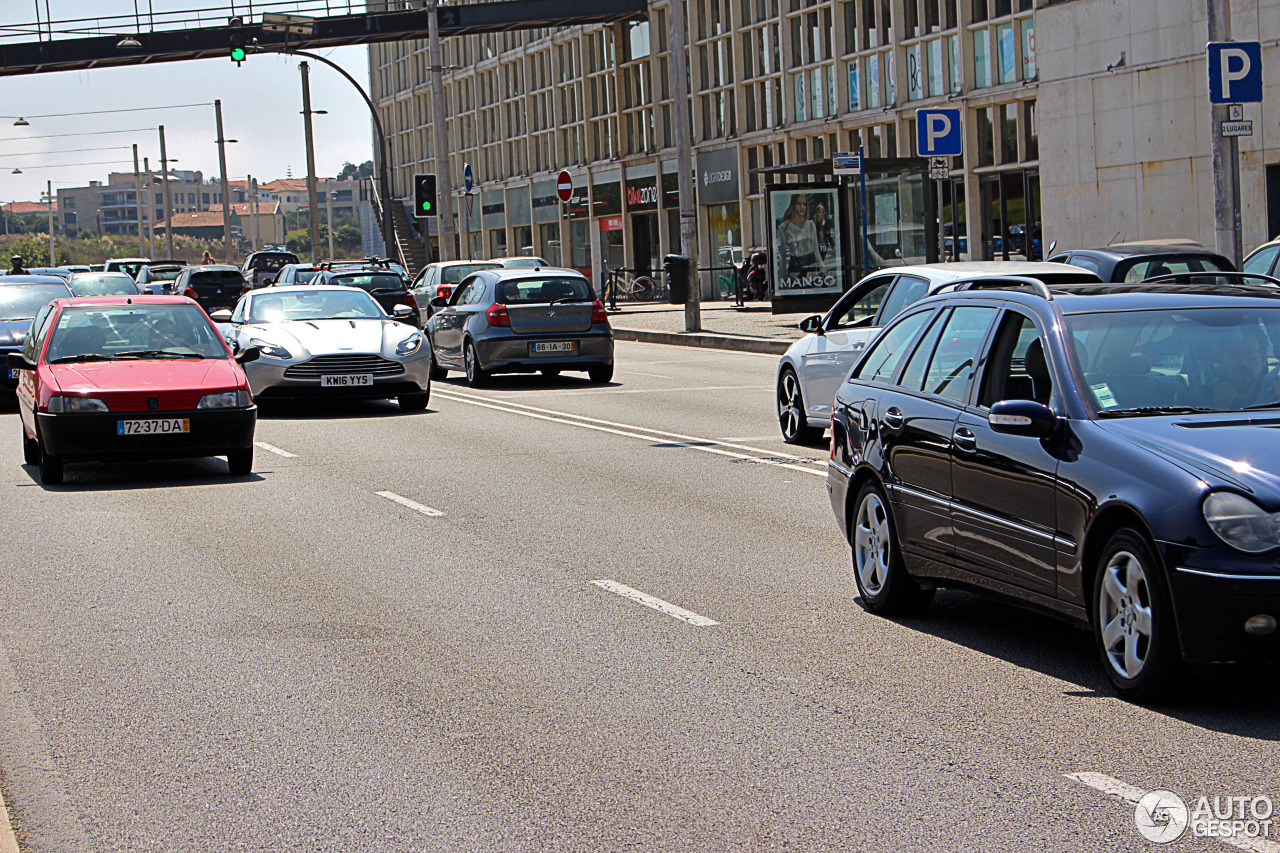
<point>833,433</point>
<point>190,293</point>
<point>246,289</point>
<point>410,301</point>
<point>598,314</point>
<point>497,315</point>
<point>444,291</point>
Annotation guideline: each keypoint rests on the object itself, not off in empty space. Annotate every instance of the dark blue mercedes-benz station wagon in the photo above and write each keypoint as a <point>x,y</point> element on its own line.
<point>1110,453</point>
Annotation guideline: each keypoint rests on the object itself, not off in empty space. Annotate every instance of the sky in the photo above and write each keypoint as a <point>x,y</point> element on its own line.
<point>261,108</point>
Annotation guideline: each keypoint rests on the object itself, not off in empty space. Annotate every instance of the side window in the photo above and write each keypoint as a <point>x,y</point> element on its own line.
<point>242,308</point>
<point>882,361</point>
<point>1261,260</point>
<point>907,290</point>
<point>461,292</point>
<point>863,303</point>
<point>31,346</point>
<point>957,352</point>
<point>1017,369</point>
<point>475,292</point>
<point>913,376</point>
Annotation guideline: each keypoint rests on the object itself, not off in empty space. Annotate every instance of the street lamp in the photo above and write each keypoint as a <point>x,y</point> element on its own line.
<point>21,122</point>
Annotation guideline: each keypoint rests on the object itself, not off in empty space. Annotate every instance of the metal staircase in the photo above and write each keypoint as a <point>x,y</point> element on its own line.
<point>404,246</point>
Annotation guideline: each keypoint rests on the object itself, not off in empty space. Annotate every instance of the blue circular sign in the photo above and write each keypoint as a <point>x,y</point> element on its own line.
<point>468,177</point>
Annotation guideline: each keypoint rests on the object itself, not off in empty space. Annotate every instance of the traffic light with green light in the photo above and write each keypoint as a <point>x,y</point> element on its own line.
<point>237,47</point>
<point>424,195</point>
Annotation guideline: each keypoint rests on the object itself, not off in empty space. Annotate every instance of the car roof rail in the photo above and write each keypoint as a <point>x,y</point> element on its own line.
<point>1234,278</point>
<point>1008,282</point>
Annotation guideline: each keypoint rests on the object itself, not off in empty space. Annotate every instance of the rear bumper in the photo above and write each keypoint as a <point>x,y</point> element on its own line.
<point>82,437</point>
<point>515,354</point>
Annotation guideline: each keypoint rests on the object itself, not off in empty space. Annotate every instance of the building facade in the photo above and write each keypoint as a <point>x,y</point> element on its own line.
<point>778,85</point>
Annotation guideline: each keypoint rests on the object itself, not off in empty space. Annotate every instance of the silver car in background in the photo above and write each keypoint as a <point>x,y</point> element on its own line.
<point>320,342</point>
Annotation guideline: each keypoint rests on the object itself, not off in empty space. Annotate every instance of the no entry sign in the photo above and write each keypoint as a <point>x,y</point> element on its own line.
<point>564,186</point>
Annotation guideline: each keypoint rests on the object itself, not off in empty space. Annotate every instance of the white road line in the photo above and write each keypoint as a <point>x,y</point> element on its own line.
<point>413,505</point>
<point>698,389</point>
<point>656,603</point>
<point>1131,795</point>
<point>271,448</point>
<point>719,351</point>
<point>643,433</point>
<point>638,373</point>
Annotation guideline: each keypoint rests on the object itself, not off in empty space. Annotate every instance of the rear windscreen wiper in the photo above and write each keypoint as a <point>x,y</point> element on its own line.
<point>564,299</point>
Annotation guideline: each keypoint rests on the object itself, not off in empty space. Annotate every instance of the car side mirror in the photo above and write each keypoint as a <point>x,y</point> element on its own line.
<point>18,361</point>
<point>439,302</point>
<point>402,312</point>
<point>222,316</point>
<point>247,355</point>
<point>812,324</point>
<point>1022,417</point>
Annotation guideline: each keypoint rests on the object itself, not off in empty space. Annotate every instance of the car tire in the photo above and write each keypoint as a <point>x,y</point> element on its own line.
<point>414,402</point>
<point>30,449</point>
<point>792,418</point>
<point>1133,618</point>
<point>51,469</point>
<point>477,377</point>
<point>550,372</point>
<point>878,570</point>
<point>600,373</point>
<point>435,371</point>
<point>240,463</point>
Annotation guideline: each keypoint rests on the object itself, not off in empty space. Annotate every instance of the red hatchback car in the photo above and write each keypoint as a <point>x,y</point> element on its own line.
<point>122,378</point>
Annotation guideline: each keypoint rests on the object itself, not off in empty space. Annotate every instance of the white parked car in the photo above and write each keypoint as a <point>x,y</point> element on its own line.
<point>521,262</point>
<point>811,370</point>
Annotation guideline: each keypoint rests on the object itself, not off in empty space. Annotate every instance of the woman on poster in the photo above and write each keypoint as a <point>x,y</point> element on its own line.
<point>798,256</point>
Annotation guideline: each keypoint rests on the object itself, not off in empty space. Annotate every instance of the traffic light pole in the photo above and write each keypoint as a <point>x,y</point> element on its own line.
<point>312,197</point>
<point>444,172</point>
<point>226,196</point>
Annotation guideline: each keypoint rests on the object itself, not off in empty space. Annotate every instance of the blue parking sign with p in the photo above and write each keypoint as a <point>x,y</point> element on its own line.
<point>1235,72</point>
<point>938,133</point>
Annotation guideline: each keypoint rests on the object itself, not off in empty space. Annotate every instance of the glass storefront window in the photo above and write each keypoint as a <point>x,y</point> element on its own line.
<point>724,223</point>
<point>1009,134</point>
<point>982,58</point>
<point>953,53</point>
<point>498,243</point>
<point>802,103</point>
<point>937,77</point>
<point>1008,60</point>
<point>1029,130</point>
<point>1028,26</point>
<point>986,136</point>
<point>549,243</point>
<point>523,235</point>
<point>915,73</point>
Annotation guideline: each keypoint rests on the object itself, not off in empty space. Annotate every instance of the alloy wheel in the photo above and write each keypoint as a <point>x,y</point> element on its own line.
<point>872,541</point>
<point>1124,611</point>
<point>790,406</point>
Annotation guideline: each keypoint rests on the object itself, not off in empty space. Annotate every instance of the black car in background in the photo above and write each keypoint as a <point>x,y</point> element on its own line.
<point>1130,262</point>
<point>376,277</point>
<point>1105,453</point>
<point>21,298</point>
<point>261,268</point>
<point>214,286</point>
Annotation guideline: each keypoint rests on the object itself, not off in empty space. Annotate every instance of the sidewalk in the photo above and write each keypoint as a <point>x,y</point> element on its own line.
<point>749,329</point>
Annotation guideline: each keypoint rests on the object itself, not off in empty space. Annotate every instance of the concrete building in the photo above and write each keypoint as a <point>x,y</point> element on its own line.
<point>1105,115</point>
<point>112,208</point>
<point>252,224</point>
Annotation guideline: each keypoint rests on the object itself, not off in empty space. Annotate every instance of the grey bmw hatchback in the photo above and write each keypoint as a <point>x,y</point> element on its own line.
<point>520,321</point>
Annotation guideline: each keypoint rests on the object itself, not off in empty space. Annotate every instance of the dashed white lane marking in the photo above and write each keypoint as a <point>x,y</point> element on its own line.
<point>656,603</point>
<point>271,448</point>
<point>638,373</point>
<point>1131,795</point>
<point>413,505</point>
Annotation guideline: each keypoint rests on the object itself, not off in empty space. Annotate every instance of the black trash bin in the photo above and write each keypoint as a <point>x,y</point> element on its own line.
<point>676,270</point>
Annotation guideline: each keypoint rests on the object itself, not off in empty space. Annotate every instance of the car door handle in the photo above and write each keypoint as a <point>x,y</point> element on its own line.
<point>965,439</point>
<point>894,419</point>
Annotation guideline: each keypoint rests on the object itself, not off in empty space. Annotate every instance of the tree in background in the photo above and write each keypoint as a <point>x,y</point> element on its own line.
<point>352,172</point>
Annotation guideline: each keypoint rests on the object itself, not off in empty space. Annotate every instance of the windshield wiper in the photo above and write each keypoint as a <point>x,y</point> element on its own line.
<point>1275,404</point>
<point>92,356</point>
<point>157,353</point>
<point>1155,410</point>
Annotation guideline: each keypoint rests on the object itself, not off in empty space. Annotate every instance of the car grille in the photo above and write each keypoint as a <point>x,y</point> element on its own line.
<point>325,364</point>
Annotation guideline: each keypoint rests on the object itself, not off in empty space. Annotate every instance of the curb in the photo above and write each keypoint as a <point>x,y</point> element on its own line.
<point>8,842</point>
<point>704,339</point>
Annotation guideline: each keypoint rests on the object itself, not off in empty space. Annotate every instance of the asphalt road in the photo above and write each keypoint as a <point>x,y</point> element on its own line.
<point>419,632</point>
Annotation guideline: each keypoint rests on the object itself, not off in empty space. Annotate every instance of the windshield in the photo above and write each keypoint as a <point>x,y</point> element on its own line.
<point>370,281</point>
<point>457,272</point>
<point>102,284</point>
<point>137,331</point>
<point>129,268</point>
<point>24,301</point>
<point>1149,362</point>
<point>272,262</point>
<point>313,305</point>
<point>532,291</point>
<point>163,273</point>
<point>523,263</point>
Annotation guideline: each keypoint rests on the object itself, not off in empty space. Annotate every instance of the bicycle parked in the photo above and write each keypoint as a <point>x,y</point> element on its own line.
<point>631,286</point>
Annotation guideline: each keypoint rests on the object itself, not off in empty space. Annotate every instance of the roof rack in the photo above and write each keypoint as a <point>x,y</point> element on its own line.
<point>1009,282</point>
<point>1233,278</point>
<point>369,262</point>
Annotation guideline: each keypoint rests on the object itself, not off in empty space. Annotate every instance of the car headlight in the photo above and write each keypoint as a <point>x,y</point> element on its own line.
<point>270,350</point>
<point>59,405</point>
<point>1241,523</point>
<point>409,344</point>
<point>225,400</point>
